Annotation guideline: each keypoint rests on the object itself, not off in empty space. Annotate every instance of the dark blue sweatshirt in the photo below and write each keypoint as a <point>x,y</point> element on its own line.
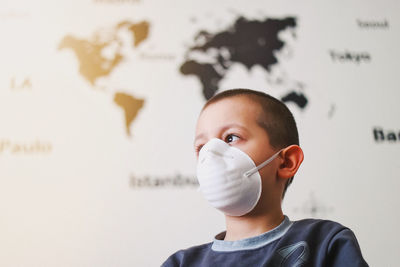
<point>307,242</point>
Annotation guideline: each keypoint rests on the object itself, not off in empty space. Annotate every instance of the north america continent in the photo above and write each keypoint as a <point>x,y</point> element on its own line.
<point>93,63</point>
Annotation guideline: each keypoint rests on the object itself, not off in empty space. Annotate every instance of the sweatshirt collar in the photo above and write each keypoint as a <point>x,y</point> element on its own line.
<point>252,242</point>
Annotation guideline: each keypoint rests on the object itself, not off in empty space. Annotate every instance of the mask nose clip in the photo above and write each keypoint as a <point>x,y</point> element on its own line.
<point>219,154</point>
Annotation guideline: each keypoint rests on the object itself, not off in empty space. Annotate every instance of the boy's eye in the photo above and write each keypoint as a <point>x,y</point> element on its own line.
<point>231,138</point>
<point>197,149</point>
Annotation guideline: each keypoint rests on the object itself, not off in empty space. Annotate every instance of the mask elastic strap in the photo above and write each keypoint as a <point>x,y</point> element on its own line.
<point>257,168</point>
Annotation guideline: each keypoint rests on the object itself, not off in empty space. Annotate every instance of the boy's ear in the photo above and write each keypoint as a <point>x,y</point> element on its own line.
<point>292,158</point>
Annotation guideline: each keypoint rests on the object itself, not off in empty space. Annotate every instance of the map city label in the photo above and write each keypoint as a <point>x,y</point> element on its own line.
<point>313,207</point>
<point>148,56</point>
<point>8,15</point>
<point>20,84</point>
<point>381,135</point>
<point>363,24</point>
<point>8,146</point>
<point>116,1</point>
<point>170,181</point>
<point>351,57</point>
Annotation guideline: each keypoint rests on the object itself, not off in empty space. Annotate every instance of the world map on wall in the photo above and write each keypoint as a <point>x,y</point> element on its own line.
<point>246,42</point>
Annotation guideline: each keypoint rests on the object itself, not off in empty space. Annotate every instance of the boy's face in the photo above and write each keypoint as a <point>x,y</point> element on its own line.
<point>234,120</point>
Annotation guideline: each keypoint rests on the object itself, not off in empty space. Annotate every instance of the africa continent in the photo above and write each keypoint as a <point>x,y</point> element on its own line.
<point>94,63</point>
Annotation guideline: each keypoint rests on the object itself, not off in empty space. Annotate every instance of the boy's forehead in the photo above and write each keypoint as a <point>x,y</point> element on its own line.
<point>235,108</point>
<point>239,102</point>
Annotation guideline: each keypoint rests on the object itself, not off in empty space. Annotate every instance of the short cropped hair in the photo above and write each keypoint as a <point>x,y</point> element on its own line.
<point>275,118</point>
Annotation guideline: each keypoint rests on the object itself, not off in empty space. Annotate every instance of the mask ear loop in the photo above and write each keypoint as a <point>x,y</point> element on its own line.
<point>257,168</point>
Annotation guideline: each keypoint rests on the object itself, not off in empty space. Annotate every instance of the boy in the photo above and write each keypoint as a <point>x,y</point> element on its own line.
<point>248,153</point>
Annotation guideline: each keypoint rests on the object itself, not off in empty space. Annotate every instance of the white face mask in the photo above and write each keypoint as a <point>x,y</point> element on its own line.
<point>229,178</point>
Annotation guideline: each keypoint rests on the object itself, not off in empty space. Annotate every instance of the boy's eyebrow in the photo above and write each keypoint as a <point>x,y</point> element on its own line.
<point>231,125</point>
<point>224,128</point>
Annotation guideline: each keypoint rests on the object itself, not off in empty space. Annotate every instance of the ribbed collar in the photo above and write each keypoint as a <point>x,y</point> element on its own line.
<point>252,242</point>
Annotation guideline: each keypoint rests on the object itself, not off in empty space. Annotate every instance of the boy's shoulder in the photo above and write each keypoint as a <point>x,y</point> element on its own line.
<point>317,229</point>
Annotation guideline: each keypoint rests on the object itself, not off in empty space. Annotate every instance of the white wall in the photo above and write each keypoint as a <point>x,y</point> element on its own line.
<point>67,195</point>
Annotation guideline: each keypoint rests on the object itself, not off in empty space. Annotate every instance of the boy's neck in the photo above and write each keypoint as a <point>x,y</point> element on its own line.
<point>251,225</point>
